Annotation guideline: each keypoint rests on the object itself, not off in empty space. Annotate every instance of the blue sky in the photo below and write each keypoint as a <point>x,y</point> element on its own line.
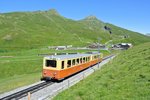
<point>130,14</point>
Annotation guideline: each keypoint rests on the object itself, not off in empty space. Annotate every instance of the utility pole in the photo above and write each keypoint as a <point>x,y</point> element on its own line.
<point>99,44</point>
<point>99,51</point>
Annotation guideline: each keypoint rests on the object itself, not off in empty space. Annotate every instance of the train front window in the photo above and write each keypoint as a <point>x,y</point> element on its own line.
<point>51,63</point>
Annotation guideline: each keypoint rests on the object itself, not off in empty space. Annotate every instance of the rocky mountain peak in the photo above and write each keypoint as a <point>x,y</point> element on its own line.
<point>53,11</point>
<point>91,17</point>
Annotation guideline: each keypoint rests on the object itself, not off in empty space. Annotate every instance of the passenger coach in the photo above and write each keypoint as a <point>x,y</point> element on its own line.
<point>58,67</point>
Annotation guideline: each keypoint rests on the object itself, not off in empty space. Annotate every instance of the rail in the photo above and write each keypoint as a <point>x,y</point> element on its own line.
<point>24,92</point>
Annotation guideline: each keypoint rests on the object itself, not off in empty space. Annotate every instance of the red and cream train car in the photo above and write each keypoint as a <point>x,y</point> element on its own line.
<point>58,67</point>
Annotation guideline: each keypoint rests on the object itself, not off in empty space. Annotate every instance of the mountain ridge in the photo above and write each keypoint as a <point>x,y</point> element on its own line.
<point>43,28</point>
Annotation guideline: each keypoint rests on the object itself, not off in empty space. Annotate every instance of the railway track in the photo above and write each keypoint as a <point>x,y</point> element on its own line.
<point>23,93</point>
<point>32,89</point>
<point>108,57</point>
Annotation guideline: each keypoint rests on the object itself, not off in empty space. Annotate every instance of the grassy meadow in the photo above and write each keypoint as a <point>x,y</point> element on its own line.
<point>126,77</point>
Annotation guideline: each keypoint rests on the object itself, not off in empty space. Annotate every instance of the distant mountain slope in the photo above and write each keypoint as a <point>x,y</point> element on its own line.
<point>43,28</point>
<point>148,34</point>
<point>127,35</point>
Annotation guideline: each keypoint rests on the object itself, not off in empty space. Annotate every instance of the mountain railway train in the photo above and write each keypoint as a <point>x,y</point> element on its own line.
<point>58,67</point>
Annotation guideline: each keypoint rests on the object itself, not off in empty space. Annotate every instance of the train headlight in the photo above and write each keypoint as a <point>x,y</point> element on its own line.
<point>44,72</point>
<point>54,73</point>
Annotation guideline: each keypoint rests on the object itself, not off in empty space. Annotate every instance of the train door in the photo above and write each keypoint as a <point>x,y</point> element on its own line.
<point>62,64</point>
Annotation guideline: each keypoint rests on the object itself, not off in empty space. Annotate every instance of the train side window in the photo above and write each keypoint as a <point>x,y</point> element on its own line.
<point>73,62</point>
<point>78,61</point>
<point>69,63</point>
<point>51,63</point>
<point>88,58</point>
<point>93,58</point>
<point>62,65</point>
<point>81,60</point>
<point>96,56</point>
<point>84,60</point>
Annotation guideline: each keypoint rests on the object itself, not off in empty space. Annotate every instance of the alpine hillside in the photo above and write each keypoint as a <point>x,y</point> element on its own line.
<point>24,30</point>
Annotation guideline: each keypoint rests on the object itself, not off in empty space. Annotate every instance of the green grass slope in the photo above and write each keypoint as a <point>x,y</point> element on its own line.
<point>42,28</point>
<point>26,30</point>
<point>127,77</point>
<point>24,35</point>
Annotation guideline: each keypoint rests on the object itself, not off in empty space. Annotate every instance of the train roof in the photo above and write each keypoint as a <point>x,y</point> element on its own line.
<point>69,56</point>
